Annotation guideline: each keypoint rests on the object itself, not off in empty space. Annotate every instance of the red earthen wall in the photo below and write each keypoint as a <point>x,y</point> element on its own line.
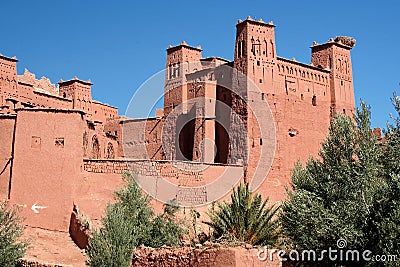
<point>47,165</point>
<point>6,140</point>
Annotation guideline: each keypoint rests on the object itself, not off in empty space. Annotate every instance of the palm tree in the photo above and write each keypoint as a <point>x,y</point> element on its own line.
<point>247,218</point>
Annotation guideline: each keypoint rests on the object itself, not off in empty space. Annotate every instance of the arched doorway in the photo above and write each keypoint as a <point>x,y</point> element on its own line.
<point>110,151</point>
<point>95,154</point>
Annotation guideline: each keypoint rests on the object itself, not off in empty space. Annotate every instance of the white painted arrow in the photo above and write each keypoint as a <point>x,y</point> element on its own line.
<point>36,207</point>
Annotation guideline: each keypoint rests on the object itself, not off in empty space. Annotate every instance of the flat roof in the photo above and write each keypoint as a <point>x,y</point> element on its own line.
<point>104,104</point>
<point>253,21</point>
<point>52,110</point>
<point>331,43</point>
<point>50,95</point>
<point>75,79</point>
<point>211,58</point>
<point>184,44</point>
<point>13,59</point>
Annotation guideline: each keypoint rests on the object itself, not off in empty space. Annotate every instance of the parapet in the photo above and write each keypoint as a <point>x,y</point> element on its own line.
<point>13,59</point>
<point>75,79</point>
<point>253,21</point>
<point>342,41</point>
<point>183,44</point>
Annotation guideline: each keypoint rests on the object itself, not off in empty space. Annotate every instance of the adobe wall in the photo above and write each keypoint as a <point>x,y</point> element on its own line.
<point>142,138</point>
<point>92,192</point>
<point>26,93</point>
<point>99,144</point>
<point>153,134</point>
<point>103,112</point>
<point>300,129</point>
<point>7,123</point>
<point>45,100</point>
<point>28,96</point>
<point>300,103</point>
<point>199,257</point>
<point>47,165</point>
<point>189,173</point>
<point>192,182</point>
<point>173,96</point>
<point>113,128</point>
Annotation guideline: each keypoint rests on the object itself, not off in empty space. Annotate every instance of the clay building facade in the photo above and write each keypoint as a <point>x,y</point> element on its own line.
<point>251,118</point>
<point>46,133</point>
<point>221,101</point>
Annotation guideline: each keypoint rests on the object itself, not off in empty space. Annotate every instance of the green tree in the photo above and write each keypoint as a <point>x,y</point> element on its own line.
<point>128,223</point>
<point>247,218</point>
<point>113,244</point>
<point>11,247</point>
<point>386,223</point>
<point>333,197</point>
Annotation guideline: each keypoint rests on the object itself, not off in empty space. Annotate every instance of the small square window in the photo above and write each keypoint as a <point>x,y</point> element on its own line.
<point>59,142</point>
<point>314,100</point>
<point>36,142</point>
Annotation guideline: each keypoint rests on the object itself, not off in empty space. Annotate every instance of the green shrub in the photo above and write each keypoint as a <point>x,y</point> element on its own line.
<point>128,223</point>
<point>11,249</point>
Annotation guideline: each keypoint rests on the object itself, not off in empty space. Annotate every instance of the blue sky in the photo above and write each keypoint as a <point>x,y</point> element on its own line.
<point>120,44</point>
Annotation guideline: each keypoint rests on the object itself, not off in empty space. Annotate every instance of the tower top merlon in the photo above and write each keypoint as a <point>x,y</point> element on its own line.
<point>75,79</point>
<point>342,41</point>
<point>183,44</point>
<point>13,59</point>
<point>253,21</point>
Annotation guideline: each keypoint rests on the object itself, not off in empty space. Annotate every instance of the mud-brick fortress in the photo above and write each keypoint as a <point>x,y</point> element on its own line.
<point>251,118</point>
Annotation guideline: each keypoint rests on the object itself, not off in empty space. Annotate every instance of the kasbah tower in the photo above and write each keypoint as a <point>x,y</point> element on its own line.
<point>303,99</point>
<point>60,149</point>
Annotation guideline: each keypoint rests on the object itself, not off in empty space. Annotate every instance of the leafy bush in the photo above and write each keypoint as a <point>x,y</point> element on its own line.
<point>11,249</point>
<point>246,218</point>
<point>351,192</point>
<point>128,223</point>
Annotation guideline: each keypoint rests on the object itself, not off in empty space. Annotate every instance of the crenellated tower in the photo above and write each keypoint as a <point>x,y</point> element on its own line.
<point>335,56</point>
<point>181,60</point>
<point>255,51</point>
<point>79,91</point>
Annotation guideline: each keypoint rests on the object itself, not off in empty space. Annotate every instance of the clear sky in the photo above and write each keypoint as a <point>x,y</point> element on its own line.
<point>120,44</point>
